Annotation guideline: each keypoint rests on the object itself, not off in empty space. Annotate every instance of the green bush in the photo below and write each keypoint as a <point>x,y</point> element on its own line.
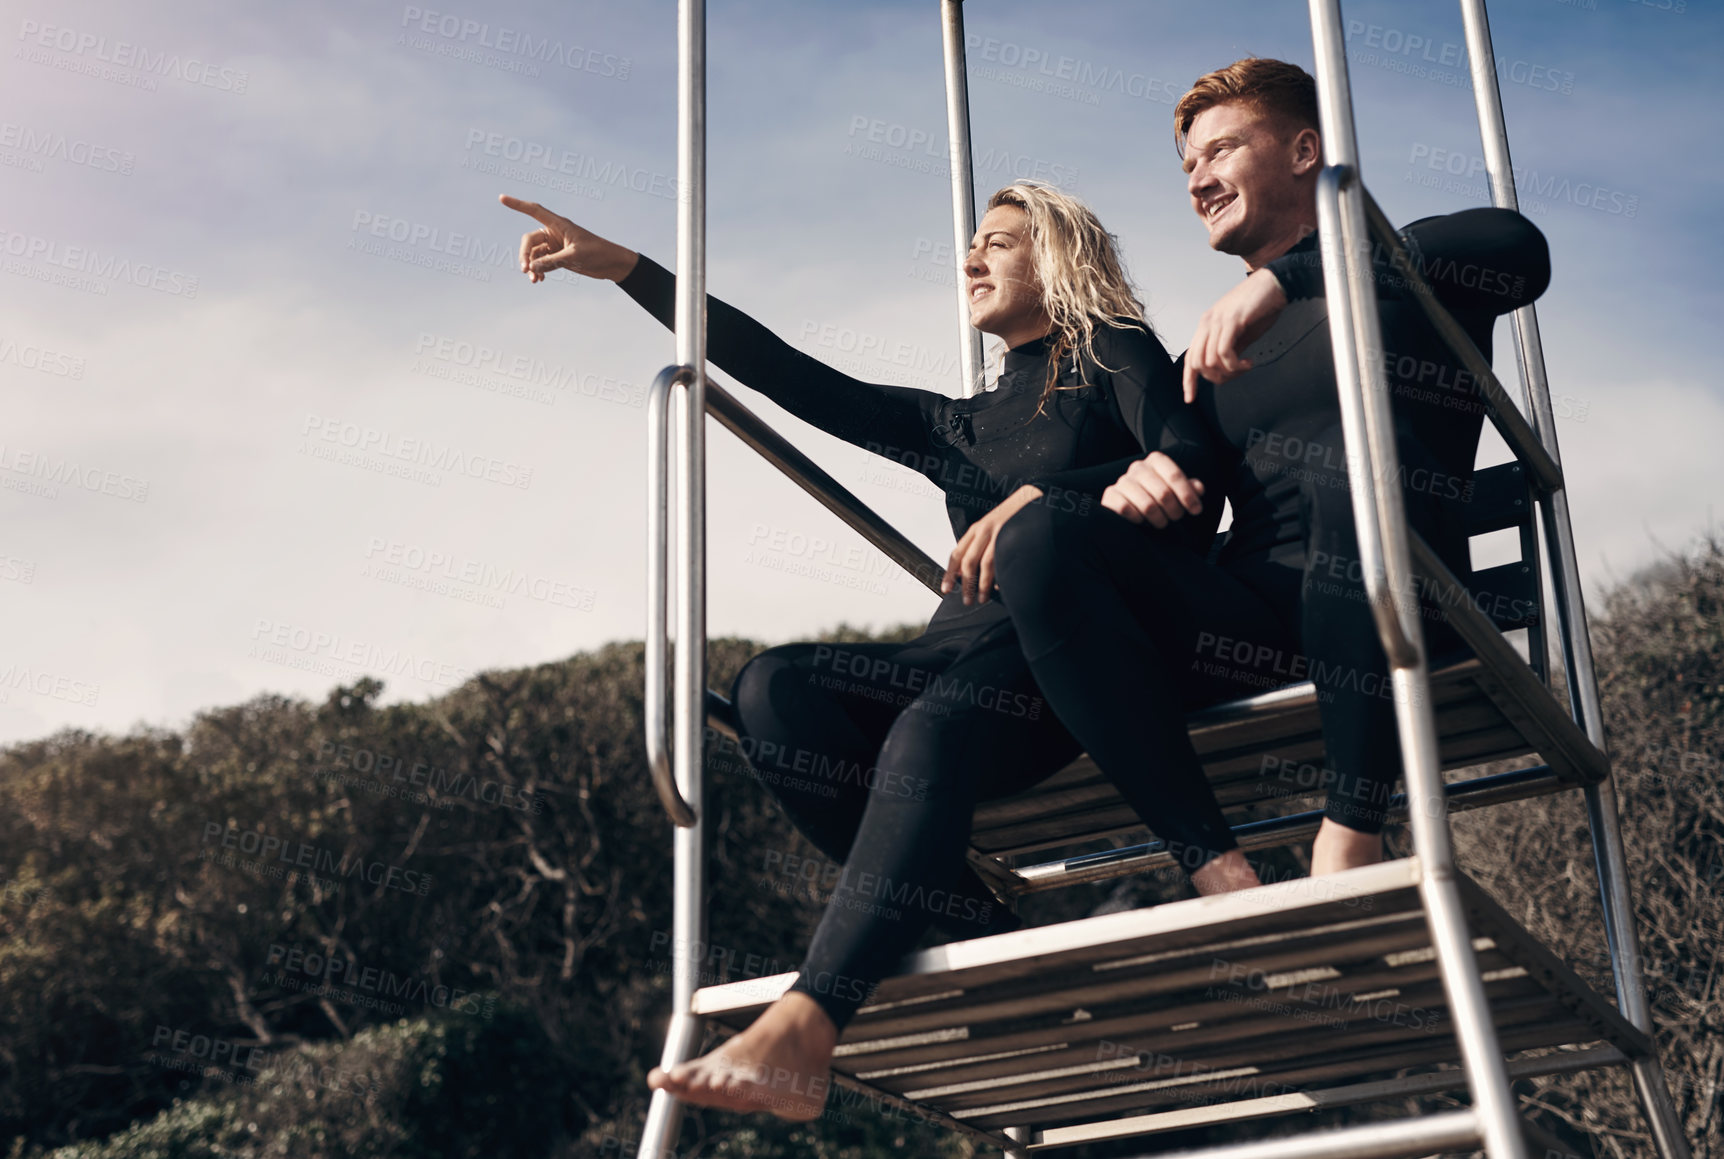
<point>545,925</point>
<point>423,1089</point>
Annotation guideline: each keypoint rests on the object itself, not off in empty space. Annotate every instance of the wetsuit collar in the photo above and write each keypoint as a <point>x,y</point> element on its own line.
<point>1032,355</point>
<point>1305,244</point>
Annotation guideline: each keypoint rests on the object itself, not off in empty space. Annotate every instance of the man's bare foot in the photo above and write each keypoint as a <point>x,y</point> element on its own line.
<point>1338,847</point>
<point>1225,874</point>
<point>781,1064</point>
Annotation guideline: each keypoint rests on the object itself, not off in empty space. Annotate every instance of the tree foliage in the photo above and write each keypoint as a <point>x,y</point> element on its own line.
<point>513,994</point>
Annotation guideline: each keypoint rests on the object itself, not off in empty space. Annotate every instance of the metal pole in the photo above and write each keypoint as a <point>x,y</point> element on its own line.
<point>1441,1133</point>
<point>1373,466</point>
<point>1569,598</point>
<point>688,922</point>
<point>1565,573</point>
<point>963,183</point>
<point>657,662</point>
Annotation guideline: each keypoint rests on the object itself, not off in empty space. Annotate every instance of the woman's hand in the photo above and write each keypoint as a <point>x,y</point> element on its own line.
<point>560,244</point>
<point>1235,321</point>
<point>972,560</point>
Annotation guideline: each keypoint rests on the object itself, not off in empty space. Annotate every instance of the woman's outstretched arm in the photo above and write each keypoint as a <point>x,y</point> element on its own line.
<point>873,416</point>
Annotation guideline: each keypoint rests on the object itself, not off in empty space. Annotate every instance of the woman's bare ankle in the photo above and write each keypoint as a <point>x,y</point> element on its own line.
<point>799,1014</point>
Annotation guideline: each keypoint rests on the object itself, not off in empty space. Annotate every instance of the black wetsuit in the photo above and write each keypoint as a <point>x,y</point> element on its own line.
<point>1120,632</point>
<point>880,751</point>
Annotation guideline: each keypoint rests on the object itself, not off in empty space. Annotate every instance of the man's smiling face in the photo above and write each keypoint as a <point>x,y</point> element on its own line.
<point>1244,168</point>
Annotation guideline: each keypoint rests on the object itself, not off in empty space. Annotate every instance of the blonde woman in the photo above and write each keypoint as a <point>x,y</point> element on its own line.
<point>879,752</point>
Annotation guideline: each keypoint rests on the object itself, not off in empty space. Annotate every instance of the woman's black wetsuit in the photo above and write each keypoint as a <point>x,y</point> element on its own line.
<point>880,751</point>
<point>1119,631</point>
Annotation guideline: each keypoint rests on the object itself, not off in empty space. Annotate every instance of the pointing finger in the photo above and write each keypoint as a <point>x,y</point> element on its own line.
<point>532,209</point>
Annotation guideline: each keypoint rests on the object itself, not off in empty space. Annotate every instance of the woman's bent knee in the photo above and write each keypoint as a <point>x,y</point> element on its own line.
<point>759,690</point>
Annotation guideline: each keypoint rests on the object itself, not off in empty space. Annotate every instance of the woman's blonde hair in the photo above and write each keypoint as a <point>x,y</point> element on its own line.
<point>1083,279</point>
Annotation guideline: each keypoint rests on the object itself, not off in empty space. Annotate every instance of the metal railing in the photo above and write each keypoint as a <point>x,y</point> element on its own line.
<point>1373,469</point>
<point>681,777</point>
<point>963,180</point>
<point>1349,223</point>
<point>1569,599</point>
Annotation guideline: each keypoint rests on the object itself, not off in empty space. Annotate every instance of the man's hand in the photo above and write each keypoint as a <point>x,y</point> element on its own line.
<point>972,560</point>
<point>560,244</point>
<point>1156,491</point>
<point>1233,323</point>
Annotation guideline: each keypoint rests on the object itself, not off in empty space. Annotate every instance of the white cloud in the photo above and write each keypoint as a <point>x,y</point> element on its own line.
<point>259,195</point>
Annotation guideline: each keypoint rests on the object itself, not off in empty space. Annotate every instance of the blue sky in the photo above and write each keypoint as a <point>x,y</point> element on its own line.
<point>238,236</point>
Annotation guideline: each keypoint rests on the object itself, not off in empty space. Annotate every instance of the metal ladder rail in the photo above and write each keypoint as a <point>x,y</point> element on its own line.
<point>678,777</point>
<point>963,181</point>
<point>1603,819</point>
<point>678,768</point>
<point>1379,515</point>
<point>683,770</point>
<point>1384,553</point>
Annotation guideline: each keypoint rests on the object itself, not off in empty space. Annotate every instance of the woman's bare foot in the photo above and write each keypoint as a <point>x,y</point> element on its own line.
<point>781,1064</point>
<point>1224,874</point>
<point>1338,847</point>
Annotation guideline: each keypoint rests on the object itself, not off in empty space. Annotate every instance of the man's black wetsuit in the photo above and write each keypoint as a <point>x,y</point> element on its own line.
<point>1122,634</point>
<point>879,751</point>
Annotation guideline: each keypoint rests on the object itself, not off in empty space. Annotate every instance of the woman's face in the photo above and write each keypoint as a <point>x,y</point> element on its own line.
<point>1000,279</point>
